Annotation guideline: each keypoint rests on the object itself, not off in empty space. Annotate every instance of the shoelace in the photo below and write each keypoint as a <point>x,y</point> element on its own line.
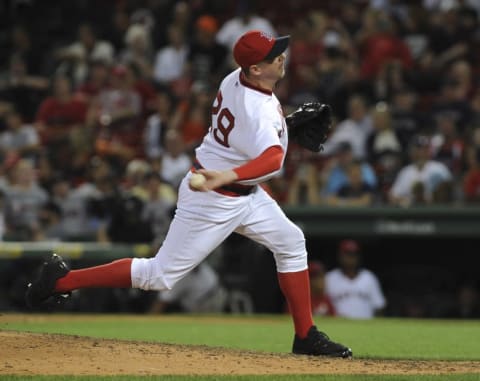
<point>320,338</point>
<point>322,341</point>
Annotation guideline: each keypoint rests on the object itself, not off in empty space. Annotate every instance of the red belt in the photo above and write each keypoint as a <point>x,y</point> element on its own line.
<point>234,190</point>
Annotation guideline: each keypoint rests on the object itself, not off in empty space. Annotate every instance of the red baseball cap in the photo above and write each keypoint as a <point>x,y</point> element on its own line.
<point>349,246</point>
<point>256,46</point>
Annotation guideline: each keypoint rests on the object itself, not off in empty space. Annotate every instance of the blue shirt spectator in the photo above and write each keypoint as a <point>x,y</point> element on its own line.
<point>338,177</point>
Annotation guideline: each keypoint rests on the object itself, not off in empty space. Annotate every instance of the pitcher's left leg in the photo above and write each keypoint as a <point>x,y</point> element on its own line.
<point>268,225</point>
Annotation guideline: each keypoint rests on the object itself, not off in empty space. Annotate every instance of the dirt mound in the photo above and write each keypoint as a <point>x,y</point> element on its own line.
<point>24,353</point>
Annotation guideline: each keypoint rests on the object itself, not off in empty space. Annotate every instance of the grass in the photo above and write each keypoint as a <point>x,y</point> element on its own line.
<point>379,338</point>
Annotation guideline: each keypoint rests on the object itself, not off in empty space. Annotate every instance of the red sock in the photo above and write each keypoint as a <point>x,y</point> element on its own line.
<point>114,274</point>
<point>296,289</point>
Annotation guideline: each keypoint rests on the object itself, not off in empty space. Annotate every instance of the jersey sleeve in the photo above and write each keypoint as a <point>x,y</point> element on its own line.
<point>269,161</point>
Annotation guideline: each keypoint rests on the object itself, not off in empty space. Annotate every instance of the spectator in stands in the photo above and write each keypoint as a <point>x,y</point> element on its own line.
<point>384,150</point>
<point>126,223</point>
<point>390,79</point>
<point>206,59</point>
<point>136,182</point>
<point>199,292</point>
<point>306,52</point>
<point>23,199</point>
<point>169,66</point>
<point>331,69</point>
<point>354,130</point>
<point>462,73</point>
<point>157,123</point>
<point>117,27</point>
<point>22,89</point>
<point>356,192</point>
<point>379,44</point>
<point>355,291</point>
<point>417,182</point>
<point>60,122</point>
<point>447,146</point>
<point>97,79</point>
<point>349,17</point>
<point>74,222</point>
<point>192,116</point>
<point>75,57</point>
<point>175,162</point>
<point>414,33</point>
<point>45,170</point>
<point>19,137</point>
<point>451,101</point>
<point>335,172</point>
<point>383,141</point>
<point>115,115</point>
<point>50,222</point>
<point>447,40</point>
<point>304,185</point>
<point>159,207</point>
<point>246,19</point>
<point>182,17</point>
<point>99,193</point>
<point>134,179</point>
<point>350,84</point>
<point>144,88</point>
<point>138,50</point>
<point>407,121</point>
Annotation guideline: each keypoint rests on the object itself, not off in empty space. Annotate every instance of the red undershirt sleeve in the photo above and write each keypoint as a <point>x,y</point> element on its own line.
<point>267,162</point>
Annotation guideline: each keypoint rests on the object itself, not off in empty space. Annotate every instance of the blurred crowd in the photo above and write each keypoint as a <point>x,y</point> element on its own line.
<point>102,104</point>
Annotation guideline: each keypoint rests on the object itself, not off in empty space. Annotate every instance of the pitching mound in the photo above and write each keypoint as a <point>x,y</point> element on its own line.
<point>45,354</point>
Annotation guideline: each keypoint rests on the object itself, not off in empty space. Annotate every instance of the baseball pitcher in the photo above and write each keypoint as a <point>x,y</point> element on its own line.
<point>245,145</point>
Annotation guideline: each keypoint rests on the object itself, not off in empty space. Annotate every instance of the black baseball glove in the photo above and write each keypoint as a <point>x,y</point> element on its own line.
<point>309,125</point>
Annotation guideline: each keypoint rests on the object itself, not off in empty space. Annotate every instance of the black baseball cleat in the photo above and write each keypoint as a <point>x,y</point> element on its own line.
<point>318,344</point>
<point>42,290</point>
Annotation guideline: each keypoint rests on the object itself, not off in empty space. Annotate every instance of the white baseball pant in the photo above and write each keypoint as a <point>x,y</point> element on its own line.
<point>203,220</point>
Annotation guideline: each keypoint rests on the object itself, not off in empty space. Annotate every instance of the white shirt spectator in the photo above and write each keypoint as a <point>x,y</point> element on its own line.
<point>356,298</point>
<point>430,175</point>
<point>152,137</point>
<point>353,132</point>
<point>101,51</point>
<point>169,63</point>
<point>25,136</point>
<point>175,168</point>
<point>75,221</point>
<point>231,31</point>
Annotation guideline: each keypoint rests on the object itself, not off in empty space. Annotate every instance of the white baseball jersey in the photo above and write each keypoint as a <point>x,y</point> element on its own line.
<point>356,298</point>
<point>245,122</point>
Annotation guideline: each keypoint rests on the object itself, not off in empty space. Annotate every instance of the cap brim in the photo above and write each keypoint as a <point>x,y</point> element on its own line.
<point>280,45</point>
